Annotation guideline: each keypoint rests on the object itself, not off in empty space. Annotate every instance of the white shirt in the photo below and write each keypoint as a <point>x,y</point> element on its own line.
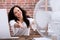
<point>19,31</point>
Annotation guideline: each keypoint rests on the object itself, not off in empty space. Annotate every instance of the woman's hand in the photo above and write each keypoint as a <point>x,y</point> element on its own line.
<point>20,24</point>
<point>16,25</point>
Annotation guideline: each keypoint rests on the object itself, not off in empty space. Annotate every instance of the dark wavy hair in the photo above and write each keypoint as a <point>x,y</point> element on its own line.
<point>11,15</point>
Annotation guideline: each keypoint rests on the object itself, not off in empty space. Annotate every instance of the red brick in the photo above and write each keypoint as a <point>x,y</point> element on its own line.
<point>29,1</point>
<point>8,1</point>
<point>28,5</point>
<point>20,1</point>
<point>37,0</point>
<point>0,1</point>
<point>14,1</point>
<point>2,5</point>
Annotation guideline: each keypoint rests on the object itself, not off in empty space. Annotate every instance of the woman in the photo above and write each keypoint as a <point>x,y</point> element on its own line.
<point>18,21</point>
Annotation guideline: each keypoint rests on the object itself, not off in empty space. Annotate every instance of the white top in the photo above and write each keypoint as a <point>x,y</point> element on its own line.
<point>17,30</point>
<point>24,31</point>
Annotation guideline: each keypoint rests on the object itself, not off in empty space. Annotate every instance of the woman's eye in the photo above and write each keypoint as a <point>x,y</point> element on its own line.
<point>18,10</point>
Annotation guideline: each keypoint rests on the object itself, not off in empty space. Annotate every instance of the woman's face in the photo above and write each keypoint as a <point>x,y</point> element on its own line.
<point>17,12</point>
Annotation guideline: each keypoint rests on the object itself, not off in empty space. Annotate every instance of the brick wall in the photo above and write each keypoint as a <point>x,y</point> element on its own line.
<point>27,5</point>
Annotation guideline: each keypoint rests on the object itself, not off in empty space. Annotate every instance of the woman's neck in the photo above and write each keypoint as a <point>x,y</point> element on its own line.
<point>21,20</point>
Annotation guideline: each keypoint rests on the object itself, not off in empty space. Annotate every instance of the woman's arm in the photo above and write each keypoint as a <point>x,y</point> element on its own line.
<point>14,24</point>
<point>17,24</point>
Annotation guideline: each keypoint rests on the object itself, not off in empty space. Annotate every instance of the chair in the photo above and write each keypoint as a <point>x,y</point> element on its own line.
<point>4,26</point>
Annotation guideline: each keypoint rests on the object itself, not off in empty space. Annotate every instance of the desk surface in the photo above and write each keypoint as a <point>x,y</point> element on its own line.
<point>10,38</point>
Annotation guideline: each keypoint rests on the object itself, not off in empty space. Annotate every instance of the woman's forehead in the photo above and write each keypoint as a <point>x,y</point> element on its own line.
<point>16,8</point>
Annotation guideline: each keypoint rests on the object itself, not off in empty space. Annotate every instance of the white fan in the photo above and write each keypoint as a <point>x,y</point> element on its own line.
<point>42,19</point>
<point>54,26</point>
<point>55,5</point>
<point>41,16</point>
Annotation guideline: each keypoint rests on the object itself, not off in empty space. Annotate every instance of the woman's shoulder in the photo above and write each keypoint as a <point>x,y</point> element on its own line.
<point>30,20</point>
<point>12,22</point>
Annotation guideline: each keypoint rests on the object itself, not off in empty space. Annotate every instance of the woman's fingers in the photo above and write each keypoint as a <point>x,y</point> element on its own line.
<point>16,25</point>
<point>19,24</point>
